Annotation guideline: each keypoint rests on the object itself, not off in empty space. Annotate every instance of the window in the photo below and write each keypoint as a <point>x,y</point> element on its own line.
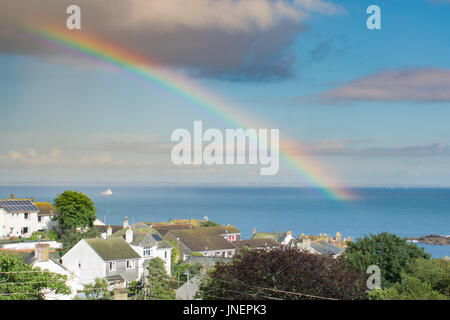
<point>147,251</point>
<point>39,219</point>
<point>111,266</point>
<point>165,254</point>
<point>25,216</point>
<point>130,264</point>
<point>24,230</point>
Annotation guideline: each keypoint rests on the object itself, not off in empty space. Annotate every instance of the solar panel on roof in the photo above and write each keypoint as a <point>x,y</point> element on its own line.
<point>18,206</point>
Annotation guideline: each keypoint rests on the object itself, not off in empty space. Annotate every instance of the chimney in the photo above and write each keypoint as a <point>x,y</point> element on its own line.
<point>41,251</point>
<point>12,196</point>
<point>129,235</point>
<point>306,243</point>
<point>125,223</point>
<point>32,199</point>
<point>108,231</point>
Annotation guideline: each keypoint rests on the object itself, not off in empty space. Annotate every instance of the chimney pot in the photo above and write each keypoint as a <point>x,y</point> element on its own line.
<point>12,196</point>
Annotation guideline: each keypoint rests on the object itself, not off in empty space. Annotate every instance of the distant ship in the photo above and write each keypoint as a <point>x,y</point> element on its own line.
<point>107,193</point>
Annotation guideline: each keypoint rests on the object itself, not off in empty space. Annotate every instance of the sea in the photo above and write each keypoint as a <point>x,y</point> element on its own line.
<point>407,212</point>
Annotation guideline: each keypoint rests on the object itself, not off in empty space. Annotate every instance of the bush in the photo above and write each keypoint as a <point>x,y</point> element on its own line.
<point>285,274</point>
<point>391,253</point>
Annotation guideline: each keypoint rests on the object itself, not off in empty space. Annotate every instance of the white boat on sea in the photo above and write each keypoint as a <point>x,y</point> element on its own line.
<point>107,193</point>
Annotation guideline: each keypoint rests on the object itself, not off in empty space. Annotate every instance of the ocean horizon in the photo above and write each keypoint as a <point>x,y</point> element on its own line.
<point>407,212</point>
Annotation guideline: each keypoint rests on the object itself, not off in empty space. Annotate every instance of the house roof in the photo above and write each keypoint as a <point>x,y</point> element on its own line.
<point>144,236</point>
<point>207,262</point>
<point>145,239</point>
<point>323,247</point>
<point>18,206</point>
<point>114,229</point>
<point>222,229</point>
<point>164,245</point>
<point>45,208</point>
<point>113,248</point>
<point>202,239</point>
<point>279,237</point>
<point>257,243</point>
<point>163,229</point>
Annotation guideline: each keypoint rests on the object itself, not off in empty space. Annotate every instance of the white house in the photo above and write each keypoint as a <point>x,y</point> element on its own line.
<point>149,246</point>
<point>146,241</point>
<point>18,218</point>
<point>113,259</point>
<point>319,247</point>
<point>45,215</point>
<point>40,258</point>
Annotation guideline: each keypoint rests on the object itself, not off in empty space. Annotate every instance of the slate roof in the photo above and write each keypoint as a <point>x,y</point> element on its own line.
<point>113,248</point>
<point>45,208</point>
<point>164,245</point>
<point>145,239</point>
<point>324,247</point>
<point>202,239</point>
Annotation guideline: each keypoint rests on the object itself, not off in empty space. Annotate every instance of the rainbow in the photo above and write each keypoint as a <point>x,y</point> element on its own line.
<point>84,46</point>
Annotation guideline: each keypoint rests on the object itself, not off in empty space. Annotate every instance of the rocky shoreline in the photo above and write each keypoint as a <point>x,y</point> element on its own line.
<point>432,239</point>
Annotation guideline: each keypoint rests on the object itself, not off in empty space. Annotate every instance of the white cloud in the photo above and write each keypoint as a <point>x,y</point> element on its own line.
<point>413,85</point>
<point>54,158</point>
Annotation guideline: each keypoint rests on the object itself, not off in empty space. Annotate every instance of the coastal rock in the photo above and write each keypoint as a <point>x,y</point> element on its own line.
<point>433,239</point>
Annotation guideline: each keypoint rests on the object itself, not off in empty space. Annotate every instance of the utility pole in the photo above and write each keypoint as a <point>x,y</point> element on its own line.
<point>186,272</point>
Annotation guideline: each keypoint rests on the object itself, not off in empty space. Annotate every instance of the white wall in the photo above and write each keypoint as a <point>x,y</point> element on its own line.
<point>155,253</point>
<point>92,266</point>
<point>12,224</point>
<point>30,245</point>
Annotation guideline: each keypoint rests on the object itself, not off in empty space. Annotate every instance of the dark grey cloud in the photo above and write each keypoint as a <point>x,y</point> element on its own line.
<point>228,39</point>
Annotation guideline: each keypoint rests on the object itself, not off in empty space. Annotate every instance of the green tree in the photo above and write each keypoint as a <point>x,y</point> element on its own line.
<point>208,224</point>
<point>435,272</point>
<point>74,210</point>
<point>157,281</point>
<point>99,290</point>
<point>391,253</point>
<point>180,270</point>
<point>135,288</point>
<point>411,288</point>
<point>19,281</point>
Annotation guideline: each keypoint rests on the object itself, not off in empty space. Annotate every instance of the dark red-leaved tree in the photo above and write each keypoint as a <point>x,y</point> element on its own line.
<point>284,274</point>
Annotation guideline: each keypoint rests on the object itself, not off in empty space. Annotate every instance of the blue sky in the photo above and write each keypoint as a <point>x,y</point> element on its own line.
<point>371,106</point>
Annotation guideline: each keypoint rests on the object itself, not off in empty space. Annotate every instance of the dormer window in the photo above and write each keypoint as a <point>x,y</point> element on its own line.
<point>147,251</point>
